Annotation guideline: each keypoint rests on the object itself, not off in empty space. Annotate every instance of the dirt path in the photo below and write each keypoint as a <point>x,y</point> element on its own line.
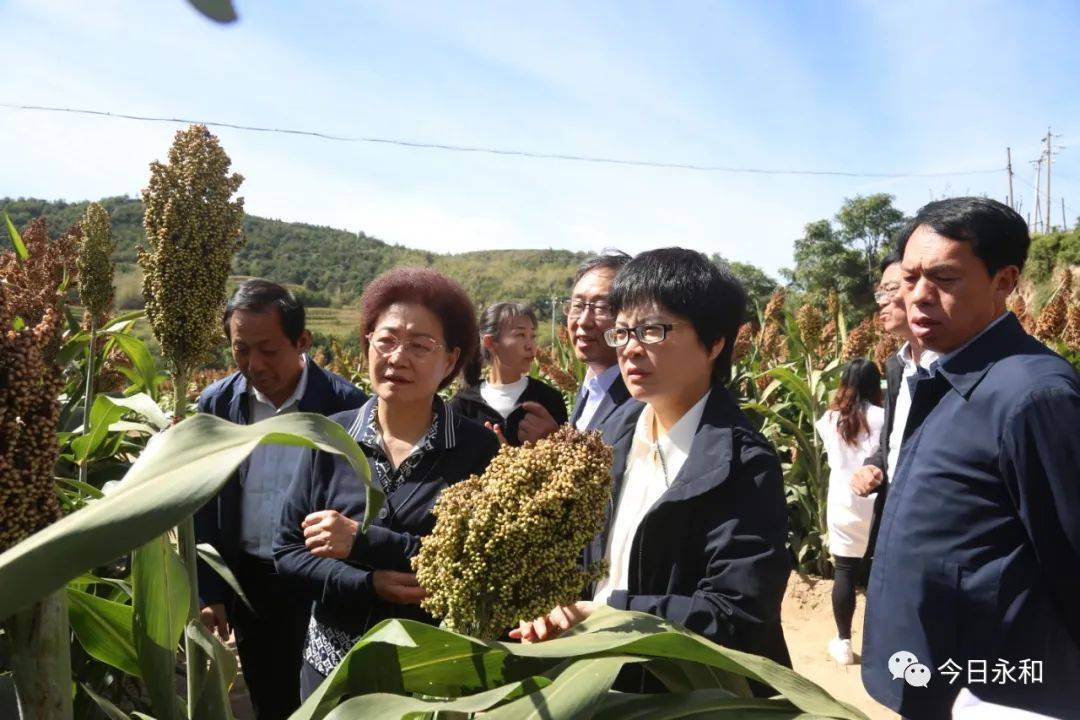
<point>808,627</point>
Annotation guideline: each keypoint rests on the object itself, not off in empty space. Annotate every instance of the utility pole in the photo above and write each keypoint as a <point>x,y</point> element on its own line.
<point>1049,155</point>
<point>1038,182</point>
<point>1064,222</point>
<point>553,338</point>
<point>1008,166</point>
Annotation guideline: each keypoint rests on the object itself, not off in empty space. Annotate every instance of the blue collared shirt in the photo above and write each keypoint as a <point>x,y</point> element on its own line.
<point>594,388</point>
<point>270,470</point>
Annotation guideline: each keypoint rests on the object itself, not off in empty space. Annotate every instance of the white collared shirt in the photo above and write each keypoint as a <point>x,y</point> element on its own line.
<point>270,470</point>
<point>596,386</point>
<point>903,402</point>
<point>653,464</point>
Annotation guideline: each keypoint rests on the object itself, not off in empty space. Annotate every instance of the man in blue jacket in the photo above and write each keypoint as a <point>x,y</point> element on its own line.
<point>264,324</point>
<point>976,579</point>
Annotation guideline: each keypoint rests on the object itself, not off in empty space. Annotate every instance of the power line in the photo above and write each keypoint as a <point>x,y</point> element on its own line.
<point>491,150</point>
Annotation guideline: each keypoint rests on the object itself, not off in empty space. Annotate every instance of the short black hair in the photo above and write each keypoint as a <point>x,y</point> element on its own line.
<point>891,258</point>
<point>687,283</point>
<point>998,235</point>
<point>259,296</point>
<point>609,259</point>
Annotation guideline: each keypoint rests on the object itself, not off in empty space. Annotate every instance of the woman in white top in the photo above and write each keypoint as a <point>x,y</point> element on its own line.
<point>509,398</point>
<point>851,430</point>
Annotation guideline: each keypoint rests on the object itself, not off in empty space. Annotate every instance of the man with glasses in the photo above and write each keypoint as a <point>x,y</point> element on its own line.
<point>588,316</point>
<point>879,467</point>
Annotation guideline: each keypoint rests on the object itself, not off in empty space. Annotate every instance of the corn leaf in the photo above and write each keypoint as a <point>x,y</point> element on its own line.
<point>161,599</point>
<point>104,630</point>
<point>16,239</point>
<point>174,477</point>
<point>402,656</point>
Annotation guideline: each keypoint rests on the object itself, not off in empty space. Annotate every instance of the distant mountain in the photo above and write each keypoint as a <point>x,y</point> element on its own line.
<point>333,266</point>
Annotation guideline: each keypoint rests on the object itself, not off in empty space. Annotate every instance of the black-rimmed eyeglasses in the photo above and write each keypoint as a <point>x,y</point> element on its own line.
<point>648,334</point>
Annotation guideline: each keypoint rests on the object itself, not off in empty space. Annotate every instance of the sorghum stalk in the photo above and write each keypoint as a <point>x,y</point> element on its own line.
<point>30,385</point>
<point>193,229</point>
<point>96,292</point>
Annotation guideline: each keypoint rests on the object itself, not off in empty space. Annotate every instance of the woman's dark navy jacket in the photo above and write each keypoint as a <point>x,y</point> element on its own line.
<point>710,554</point>
<point>342,590</point>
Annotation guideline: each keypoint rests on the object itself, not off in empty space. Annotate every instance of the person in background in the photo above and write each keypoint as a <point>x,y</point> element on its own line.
<point>851,430</point>
<point>418,326</point>
<point>697,530</point>
<point>509,396</point>
<point>978,556</point>
<point>264,324</point>
<point>588,316</point>
<point>878,466</point>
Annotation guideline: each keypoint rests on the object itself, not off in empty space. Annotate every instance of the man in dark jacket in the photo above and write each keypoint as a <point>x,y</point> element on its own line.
<point>588,316</point>
<point>976,577</point>
<point>264,323</point>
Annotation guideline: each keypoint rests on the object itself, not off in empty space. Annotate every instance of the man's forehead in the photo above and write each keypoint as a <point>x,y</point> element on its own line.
<point>595,283</point>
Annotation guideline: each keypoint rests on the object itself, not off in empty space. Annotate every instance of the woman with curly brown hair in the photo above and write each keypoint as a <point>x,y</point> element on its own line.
<point>851,430</point>
<point>418,328</point>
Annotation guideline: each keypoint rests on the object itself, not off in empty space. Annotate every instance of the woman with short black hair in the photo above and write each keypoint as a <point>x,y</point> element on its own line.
<point>507,349</point>
<point>418,326</point>
<point>697,531</point>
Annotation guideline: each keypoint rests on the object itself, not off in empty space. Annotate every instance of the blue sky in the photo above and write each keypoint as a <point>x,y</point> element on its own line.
<point>852,86</point>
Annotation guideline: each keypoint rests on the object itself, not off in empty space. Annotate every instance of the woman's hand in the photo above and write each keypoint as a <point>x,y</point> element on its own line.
<point>329,534</point>
<point>537,423</point>
<point>555,623</point>
<point>497,429</point>
<point>398,587</point>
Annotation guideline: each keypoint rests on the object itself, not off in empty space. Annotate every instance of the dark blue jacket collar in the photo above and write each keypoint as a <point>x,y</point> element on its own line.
<point>710,459</point>
<point>317,397</point>
<point>966,369</point>
<point>445,437</point>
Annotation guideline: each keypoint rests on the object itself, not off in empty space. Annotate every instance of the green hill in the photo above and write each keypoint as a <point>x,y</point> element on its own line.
<point>331,267</point>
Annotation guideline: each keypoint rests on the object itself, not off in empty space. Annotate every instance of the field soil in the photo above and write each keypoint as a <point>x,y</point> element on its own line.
<point>808,626</point>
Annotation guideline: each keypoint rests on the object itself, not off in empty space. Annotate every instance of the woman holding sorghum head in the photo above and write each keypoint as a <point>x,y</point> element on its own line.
<point>697,531</point>
<point>418,327</point>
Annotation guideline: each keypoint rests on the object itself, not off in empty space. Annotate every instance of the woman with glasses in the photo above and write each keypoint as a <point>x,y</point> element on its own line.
<point>508,401</point>
<point>696,530</point>
<point>418,326</point>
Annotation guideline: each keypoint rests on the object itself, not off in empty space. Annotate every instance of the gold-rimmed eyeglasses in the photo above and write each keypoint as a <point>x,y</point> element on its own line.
<point>418,348</point>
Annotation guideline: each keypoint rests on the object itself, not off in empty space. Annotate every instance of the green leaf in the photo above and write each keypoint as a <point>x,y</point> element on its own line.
<point>212,557</point>
<point>104,630</point>
<point>141,359</point>
<point>217,10</point>
<point>403,656</point>
<point>388,705</point>
<point>172,478</point>
<point>575,693</point>
<point>18,324</point>
<point>106,706</point>
<point>161,601</point>
<point>213,703</point>
<point>103,414</point>
<point>16,239</point>
<point>696,705</point>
